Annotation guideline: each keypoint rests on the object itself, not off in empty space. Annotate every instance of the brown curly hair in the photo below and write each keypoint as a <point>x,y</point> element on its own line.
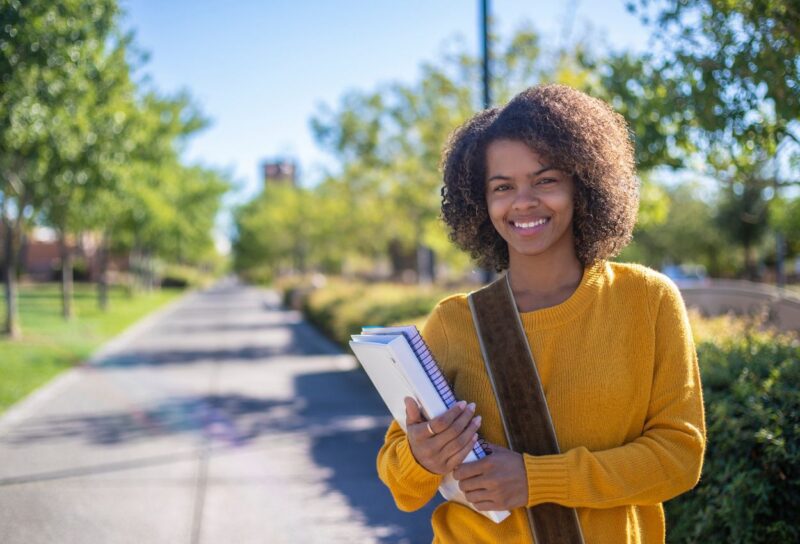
<point>576,133</point>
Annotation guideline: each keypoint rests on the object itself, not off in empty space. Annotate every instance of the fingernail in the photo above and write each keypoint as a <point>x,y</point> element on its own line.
<point>461,404</point>
<point>471,407</point>
<point>477,420</point>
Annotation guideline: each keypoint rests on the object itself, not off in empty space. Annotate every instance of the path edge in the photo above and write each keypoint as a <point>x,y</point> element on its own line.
<point>19,410</point>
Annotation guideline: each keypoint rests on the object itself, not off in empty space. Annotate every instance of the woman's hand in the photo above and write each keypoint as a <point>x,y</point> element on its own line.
<point>496,482</point>
<point>442,443</point>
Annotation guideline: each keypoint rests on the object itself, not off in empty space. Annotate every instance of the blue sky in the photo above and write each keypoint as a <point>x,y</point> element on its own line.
<point>259,69</point>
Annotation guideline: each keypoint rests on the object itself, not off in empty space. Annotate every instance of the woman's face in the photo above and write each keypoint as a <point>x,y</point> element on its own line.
<point>530,203</point>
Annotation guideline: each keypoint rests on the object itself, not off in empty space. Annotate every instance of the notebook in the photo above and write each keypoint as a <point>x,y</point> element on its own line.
<point>399,364</point>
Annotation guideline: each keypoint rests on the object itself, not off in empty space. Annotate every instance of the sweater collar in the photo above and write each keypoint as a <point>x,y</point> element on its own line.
<point>593,278</point>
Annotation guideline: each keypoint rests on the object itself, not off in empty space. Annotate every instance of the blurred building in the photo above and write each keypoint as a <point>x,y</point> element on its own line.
<point>280,171</point>
<point>40,256</point>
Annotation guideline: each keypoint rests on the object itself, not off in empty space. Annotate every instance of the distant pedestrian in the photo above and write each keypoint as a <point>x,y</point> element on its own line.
<point>545,189</point>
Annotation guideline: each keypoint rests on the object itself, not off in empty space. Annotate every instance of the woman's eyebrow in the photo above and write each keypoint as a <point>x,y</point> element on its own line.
<point>542,170</point>
<point>499,176</point>
<point>531,175</point>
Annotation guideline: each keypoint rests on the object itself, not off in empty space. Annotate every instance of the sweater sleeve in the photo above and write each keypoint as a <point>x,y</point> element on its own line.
<point>667,458</point>
<point>411,484</point>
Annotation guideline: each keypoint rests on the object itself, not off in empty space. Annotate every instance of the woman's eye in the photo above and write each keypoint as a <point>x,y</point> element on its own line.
<point>547,181</point>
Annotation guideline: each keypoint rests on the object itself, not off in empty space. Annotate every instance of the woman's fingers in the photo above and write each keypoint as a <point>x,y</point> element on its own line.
<point>456,425</point>
<point>464,436</point>
<point>457,458</point>
<point>413,413</point>
<point>442,443</point>
<point>442,423</point>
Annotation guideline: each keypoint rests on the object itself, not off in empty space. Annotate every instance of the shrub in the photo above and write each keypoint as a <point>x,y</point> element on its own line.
<point>182,276</point>
<point>257,275</point>
<point>750,487</point>
<point>342,308</point>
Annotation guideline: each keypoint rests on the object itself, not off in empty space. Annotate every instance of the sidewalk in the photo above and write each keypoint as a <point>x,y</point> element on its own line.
<point>224,419</point>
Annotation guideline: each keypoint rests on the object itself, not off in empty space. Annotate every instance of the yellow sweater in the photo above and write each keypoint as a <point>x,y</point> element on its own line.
<point>619,370</point>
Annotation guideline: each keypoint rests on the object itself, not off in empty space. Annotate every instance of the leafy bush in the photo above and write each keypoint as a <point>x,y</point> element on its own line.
<point>182,276</point>
<point>749,491</point>
<point>342,308</point>
<point>263,275</point>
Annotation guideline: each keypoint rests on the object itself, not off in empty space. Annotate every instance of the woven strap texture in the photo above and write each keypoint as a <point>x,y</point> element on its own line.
<point>520,398</point>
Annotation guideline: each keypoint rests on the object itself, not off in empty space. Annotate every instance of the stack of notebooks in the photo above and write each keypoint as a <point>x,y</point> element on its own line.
<point>400,365</point>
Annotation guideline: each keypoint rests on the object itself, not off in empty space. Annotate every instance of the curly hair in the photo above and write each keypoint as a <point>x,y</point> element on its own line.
<point>576,133</point>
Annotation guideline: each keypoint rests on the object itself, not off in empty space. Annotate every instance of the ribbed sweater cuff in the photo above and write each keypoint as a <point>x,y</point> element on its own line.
<point>548,479</point>
<point>411,471</point>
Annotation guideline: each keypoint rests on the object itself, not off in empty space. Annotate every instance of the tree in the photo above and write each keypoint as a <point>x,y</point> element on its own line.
<point>271,230</point>
<point>721,94</point>
<point>740,63</point>
<point>389,141</point>
<point>45,55</point>
<point>89,145</point>
<point>686,233</point>
<point>82,148</point>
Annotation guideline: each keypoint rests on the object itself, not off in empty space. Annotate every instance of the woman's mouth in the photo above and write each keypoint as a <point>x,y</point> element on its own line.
<point>529,226</point>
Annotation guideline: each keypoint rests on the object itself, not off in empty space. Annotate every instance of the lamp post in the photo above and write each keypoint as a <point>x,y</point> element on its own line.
<point>487,90</point>
<point>487,274</point>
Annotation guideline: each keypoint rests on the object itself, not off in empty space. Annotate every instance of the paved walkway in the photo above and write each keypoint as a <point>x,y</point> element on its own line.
<point>223,419</point>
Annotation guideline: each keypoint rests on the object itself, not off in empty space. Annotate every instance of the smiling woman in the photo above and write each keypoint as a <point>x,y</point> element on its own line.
<point>545,189</point>
<point>530,205</point>
<point>575,134</point>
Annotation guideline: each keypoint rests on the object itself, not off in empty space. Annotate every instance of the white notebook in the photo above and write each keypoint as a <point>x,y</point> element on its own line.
<point>400,365</point>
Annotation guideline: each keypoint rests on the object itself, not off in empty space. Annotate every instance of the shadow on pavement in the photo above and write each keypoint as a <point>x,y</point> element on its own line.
<point>295,342</point>
<point>339,411</point>
<point>228,419</point>
<point>350,453</point>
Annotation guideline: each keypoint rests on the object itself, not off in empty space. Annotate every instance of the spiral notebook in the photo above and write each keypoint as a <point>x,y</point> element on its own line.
<point>399,364</point>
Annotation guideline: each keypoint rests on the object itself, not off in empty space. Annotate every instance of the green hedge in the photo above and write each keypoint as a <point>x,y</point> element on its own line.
<point>749,491</point>
<point>342,308</point>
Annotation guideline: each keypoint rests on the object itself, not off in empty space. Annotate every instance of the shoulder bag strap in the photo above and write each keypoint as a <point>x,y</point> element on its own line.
<point>520,398</point>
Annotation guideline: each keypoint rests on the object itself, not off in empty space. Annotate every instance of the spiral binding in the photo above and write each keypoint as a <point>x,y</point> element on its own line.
<point>443,388</point>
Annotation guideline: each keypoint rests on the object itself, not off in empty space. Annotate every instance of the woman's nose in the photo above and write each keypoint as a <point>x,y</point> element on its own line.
<point>526,198</point>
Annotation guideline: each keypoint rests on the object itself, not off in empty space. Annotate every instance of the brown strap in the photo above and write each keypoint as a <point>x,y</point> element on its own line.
<point>520,398</point>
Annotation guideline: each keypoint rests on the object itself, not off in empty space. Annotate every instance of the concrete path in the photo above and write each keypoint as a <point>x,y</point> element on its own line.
<point>223,419</point>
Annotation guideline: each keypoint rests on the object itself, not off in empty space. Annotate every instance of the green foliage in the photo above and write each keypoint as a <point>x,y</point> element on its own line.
<point>784,217</point>
<point>749,491</point>
<point>84,148</point>
<point>182,276</point>
<point>388,143</point>
<point>341,308</point>
<point>272,230</point>
<point>719,94</point>
<point>743,62</point>
<point>689,232</point>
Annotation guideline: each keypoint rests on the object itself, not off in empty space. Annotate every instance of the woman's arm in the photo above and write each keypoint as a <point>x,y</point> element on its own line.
<point>662,463</point>
<point>411,485</point>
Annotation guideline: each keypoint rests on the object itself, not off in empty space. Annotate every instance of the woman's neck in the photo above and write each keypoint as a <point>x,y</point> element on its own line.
<point>543,282</point>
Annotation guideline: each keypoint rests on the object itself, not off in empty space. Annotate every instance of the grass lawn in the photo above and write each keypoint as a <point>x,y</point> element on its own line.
<point>49,344</point>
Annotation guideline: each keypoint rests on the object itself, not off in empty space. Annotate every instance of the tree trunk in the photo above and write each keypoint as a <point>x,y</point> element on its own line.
<point>425,265</point>
<point>12,327</point>
<point>749,261</point>
<point>66,277</point>
<point>102,283</point>
<point>780,256</point>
